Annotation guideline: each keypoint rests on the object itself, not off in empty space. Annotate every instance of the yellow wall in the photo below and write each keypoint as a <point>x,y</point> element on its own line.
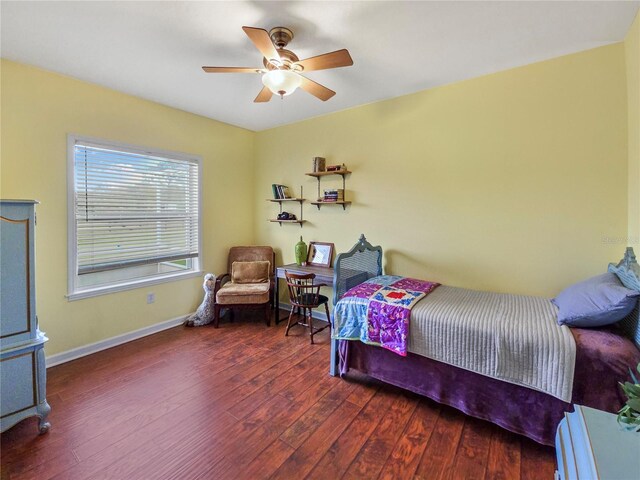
<point>507,182</point>
<point>632,56</point>
<point>38,110</point>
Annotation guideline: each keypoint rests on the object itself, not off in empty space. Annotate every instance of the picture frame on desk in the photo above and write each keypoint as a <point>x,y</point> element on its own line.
<point>320,254</point>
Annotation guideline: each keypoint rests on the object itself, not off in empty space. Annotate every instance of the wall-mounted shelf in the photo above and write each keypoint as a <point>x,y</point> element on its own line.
<point>275,220</point>
<point>338,202</point>
<point>280,201</point>
<point>318,175</point>
<point>324,174</point>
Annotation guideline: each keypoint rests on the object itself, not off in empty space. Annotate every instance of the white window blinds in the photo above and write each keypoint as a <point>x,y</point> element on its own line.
<point>133,209</point>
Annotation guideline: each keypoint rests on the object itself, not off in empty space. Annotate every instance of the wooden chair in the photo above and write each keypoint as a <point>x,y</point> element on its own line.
<point>230,294</point>
<point>304,296</point>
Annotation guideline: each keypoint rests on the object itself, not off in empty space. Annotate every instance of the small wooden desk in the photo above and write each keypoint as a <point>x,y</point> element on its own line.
<point>323,275</point>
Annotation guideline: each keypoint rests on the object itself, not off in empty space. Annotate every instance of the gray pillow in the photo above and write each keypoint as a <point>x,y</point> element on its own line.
<point>598,301</point>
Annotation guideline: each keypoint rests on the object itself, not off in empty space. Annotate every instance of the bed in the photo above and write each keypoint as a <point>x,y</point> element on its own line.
<point>601,358</point>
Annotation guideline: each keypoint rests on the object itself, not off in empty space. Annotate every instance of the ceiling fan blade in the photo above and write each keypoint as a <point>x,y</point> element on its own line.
<point>315,89</point>
<point>264,95</point>
<point>262,41</point>
<point>232,70</point>
<point>339,58</point>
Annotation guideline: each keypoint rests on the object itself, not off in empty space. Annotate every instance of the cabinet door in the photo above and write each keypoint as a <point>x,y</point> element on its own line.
<point>17,304</point>
<point>17,383</point>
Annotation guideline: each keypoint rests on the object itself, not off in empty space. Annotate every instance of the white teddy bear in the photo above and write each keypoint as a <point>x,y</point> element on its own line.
<point>204,314</point>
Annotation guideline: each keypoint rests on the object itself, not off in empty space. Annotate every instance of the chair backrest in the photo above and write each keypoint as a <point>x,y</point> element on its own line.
<point>252,254</point>
<point>302,291</point>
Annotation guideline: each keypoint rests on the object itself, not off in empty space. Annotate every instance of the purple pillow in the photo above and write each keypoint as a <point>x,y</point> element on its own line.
<point>598,301</point>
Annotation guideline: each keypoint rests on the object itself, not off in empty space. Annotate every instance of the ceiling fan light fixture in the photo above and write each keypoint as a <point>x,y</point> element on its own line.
<point>281,82</point>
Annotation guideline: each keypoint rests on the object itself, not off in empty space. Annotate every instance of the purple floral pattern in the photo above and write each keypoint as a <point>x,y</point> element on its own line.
<point>416,285</point>
<point>364,290</point>
<point>388,326</point>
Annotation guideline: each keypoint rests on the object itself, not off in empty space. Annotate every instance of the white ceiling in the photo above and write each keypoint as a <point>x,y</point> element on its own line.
<point>154,50</point>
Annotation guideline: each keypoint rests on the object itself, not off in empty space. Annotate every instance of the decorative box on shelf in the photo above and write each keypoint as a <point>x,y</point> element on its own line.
<point>590,444</point>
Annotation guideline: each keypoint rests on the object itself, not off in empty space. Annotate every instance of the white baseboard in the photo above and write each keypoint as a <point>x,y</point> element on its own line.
<point>317,314</point>
<point>78,352</point>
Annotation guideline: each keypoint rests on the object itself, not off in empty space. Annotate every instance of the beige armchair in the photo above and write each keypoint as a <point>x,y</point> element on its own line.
<point>248,283</point>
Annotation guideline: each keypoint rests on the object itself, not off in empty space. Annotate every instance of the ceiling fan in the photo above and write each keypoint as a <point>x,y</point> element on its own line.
<point>282,67</point>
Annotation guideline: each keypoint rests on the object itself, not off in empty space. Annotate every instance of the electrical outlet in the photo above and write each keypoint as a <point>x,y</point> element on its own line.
<point>151,297</point>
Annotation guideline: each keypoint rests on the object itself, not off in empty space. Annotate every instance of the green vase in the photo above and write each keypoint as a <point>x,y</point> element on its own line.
<point>301,252</point>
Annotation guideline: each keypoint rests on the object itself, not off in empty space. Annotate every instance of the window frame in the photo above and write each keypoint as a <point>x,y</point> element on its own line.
<point>74,292</point>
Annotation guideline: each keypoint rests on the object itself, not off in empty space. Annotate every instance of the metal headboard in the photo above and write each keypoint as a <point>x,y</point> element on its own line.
<point>628,271</point>
<point>359,264</point>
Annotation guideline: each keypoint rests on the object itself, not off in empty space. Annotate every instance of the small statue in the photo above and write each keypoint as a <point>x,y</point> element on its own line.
<point>204,314</point>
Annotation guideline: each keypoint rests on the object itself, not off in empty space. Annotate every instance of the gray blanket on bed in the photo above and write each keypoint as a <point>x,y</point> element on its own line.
<point>513,338</point>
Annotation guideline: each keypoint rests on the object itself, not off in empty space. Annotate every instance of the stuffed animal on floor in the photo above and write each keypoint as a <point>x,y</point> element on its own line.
<point>204,314</point>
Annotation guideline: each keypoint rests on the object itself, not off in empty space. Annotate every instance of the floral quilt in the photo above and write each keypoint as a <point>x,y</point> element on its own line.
<point>377,311</point>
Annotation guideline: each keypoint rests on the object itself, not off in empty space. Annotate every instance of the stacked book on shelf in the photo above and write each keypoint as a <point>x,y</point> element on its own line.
<point>281,192</point>
<point>333,195</point>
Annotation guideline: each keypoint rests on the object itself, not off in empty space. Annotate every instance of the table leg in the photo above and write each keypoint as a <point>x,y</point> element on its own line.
<point>277,300</point>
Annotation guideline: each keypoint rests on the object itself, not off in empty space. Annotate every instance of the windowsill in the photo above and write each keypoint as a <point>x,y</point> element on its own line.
<point>121,287</point>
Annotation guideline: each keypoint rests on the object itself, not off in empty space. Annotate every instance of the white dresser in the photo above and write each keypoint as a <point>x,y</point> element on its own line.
<point>22,366</point>
<point>591,445</point>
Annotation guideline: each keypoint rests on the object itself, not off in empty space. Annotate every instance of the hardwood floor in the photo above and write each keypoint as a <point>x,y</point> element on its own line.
<point>244,401</point>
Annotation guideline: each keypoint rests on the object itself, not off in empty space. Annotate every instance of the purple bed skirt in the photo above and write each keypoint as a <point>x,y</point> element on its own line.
<point>603,358</point>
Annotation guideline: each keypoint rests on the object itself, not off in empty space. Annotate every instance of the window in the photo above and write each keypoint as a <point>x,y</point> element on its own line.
<point>134,216</point>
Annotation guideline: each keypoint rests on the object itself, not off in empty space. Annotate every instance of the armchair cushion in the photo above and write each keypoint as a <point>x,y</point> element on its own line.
<point>251,254</point>
<point>243,293</point>
<point>250,272</point>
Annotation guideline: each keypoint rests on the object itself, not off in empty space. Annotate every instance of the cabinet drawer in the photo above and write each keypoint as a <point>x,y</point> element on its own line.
<point>17,383</point>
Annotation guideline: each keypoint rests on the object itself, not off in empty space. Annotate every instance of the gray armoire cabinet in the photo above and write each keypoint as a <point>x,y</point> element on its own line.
<point>22,367</point>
